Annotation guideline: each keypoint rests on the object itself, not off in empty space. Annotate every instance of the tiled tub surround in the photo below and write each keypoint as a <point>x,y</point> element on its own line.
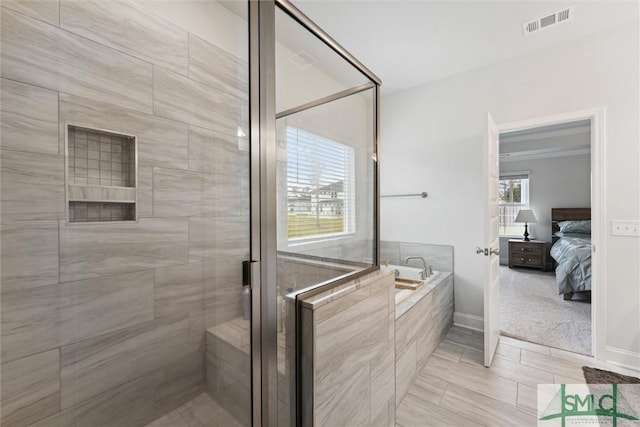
<point>439,257</point>
<point>362,351</point>
<point>104,324</point>
<point>422,321</point>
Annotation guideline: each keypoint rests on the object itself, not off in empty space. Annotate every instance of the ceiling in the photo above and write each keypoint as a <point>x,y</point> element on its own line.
<point>559,140</point>
<point>408,43</point>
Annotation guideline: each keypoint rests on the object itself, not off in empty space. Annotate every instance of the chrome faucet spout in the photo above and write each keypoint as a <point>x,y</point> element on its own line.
<point>425,273</point>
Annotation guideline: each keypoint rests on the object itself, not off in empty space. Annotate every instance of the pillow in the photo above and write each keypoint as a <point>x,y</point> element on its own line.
<point>583,227</point>
<point>574,235</point>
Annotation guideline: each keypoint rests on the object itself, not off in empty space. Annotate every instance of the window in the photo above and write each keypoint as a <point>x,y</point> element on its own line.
<point>513,195</point>
<point>320,186</point>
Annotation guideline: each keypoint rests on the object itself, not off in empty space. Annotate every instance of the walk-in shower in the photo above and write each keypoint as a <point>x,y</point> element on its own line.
<point>148,149</point>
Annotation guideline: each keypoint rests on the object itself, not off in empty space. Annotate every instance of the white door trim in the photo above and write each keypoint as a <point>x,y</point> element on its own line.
<point>597,117</point>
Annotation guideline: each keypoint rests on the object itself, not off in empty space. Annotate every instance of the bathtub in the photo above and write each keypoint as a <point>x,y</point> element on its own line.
<point>423,317</point>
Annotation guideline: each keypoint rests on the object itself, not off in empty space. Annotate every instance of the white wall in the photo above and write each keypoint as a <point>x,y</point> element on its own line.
<point>559,182</point>
<point>432,141</point>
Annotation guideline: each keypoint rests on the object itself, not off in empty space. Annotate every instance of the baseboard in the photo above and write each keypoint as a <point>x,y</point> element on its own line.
<point>468,321</point>
<point>623,358</point>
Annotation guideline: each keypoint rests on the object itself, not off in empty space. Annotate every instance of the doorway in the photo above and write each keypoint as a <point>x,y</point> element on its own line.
<point>545,235</point>
<point>595,118</point>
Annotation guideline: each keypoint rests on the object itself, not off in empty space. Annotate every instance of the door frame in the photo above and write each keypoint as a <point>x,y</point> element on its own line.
<point>596,116</point>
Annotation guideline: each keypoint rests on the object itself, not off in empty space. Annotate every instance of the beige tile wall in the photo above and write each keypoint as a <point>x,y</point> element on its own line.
<point>358,361</point>
<point>103,324</point>
<point>349,356</point>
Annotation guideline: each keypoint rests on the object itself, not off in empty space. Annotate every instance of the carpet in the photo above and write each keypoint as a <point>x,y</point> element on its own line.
<point>600,376</point>
<point>532,310</point>
<point>627,400</point>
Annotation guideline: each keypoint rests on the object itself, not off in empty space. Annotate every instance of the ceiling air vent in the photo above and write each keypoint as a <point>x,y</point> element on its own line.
<point>558,17</point>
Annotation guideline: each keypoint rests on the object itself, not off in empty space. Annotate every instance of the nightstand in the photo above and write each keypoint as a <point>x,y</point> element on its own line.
<point>530,254</point>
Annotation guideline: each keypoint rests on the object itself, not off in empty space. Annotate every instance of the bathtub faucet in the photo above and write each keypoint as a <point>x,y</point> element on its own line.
<point>426,272</point>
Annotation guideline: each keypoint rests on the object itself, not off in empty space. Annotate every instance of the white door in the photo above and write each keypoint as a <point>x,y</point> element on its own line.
<point>490,251</point>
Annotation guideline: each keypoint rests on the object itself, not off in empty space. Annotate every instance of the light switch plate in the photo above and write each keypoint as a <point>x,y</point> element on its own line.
<point>625,228</point>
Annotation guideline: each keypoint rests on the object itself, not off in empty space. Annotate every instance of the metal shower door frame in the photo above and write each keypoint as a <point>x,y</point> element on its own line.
<point>263,188</point>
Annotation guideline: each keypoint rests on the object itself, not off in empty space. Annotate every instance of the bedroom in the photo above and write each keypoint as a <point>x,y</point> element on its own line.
<point>545,176</point>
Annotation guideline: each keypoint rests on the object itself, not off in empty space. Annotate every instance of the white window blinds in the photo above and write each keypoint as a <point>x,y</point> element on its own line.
<point>320,186</point>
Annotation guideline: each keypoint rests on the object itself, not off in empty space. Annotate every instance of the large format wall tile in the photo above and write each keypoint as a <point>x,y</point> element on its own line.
<point>128,27</point>
<point>128,405</point>
<point>43,55</point>
<point>209,292</point>
<point>29,118</point>
<point>419,331</point>
<point>211,237</point>
<point>179,290</point>
<point>353,353</point>
<point>218,153</point>
<point>342,337</point>
<point>93,250</point>
<point>29,254</point>
<point>383,382</point>
<point>30,388</point>
<point>178,382</point>
<point>214,66</point>
<point>178,193</point>
<point>51,316</point>
<point>440,257</point>
<point>348,404</point>
<point>32,186</point>
<point>44,10</point>
<point>406,369</point>
<point>161,142</point>
<point>223,289</point>
<point>180,98</point>
<point>145,191</point>
<point>96,365</point>
<point>355,338</point>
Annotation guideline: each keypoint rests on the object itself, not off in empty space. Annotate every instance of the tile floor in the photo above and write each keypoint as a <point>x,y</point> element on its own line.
<point>455,389</point>
<point>201,411</point>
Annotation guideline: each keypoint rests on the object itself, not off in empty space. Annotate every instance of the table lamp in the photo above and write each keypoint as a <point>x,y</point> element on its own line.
<point>526,216</point>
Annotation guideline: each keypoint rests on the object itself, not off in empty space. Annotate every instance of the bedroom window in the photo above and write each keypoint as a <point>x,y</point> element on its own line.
<point>320,186</point>
<point>513,194</point>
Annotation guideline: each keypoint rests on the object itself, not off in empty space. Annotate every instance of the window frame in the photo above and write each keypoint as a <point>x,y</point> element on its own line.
<point>512,176</point>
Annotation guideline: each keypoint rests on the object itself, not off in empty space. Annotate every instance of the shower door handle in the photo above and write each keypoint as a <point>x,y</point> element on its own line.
<point>249,270</point>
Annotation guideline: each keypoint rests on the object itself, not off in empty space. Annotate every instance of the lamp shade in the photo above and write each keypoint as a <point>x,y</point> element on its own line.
<point>526,215</point>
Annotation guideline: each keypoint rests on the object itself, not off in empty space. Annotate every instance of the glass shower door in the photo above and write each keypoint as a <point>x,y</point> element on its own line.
<point>125,213</point>
<point>326,190</point>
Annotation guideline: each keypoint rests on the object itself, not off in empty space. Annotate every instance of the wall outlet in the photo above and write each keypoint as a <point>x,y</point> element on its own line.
<point>625,228</point>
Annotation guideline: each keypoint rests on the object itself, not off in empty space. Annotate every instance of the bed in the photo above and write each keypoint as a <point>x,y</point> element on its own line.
<point>571,250</point>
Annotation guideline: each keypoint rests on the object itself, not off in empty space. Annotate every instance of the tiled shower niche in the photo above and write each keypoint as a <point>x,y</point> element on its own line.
<point>101,175</point>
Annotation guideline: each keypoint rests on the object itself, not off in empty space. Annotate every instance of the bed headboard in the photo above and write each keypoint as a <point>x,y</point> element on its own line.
<point>567,214</point>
